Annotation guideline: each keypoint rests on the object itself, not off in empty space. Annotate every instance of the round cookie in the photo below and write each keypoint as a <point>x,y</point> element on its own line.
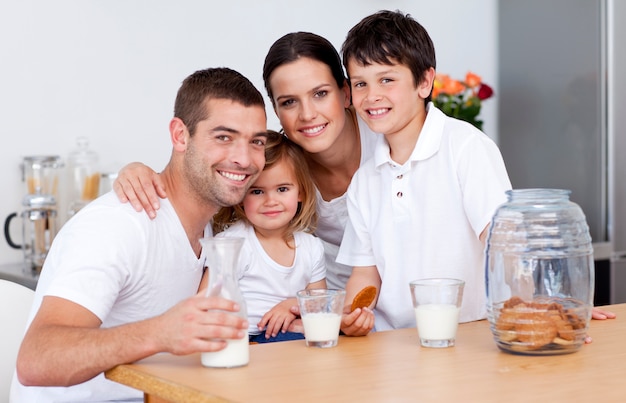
<point>364,298</point>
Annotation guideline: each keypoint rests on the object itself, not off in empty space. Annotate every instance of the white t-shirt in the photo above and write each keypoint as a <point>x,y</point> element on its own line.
<point>121,266</point>
<point>265,283</point>
<point>333,217</point>
<point>424,218</point>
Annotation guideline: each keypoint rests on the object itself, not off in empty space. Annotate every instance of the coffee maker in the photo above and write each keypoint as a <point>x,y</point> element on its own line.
<point>41,175</point>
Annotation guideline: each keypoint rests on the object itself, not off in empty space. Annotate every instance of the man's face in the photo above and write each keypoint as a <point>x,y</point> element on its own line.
<point>227,152</point>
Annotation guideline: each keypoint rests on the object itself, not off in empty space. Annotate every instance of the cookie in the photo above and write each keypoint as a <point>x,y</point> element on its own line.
<point>529,326</point>
<point>535,330</point>
<point>364,298</point>
<point>507,320</point>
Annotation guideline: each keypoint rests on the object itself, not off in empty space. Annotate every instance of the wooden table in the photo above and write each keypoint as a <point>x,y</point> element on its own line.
<point>392,367</point>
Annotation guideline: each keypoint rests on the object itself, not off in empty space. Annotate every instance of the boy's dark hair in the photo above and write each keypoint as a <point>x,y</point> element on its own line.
<point>389,37</point>
<point>295,45</point>
<point>212,83</point>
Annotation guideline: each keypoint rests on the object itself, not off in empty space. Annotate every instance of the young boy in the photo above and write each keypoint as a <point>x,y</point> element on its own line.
<point>421,206</point>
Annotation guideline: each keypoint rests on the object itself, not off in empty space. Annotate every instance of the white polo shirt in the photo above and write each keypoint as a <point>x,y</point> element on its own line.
<point>424,218</point>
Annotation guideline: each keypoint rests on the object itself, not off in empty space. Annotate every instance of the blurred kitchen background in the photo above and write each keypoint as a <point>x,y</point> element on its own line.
<point>561,116</point>
<point>109,71</point>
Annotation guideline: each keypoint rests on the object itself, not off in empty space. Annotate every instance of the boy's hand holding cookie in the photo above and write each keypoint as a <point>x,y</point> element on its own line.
<point>364,298</point>
<point>362,322</point>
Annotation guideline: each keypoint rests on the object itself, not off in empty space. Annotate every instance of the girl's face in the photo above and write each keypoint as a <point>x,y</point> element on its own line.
<point>309,104</point>
<point>272,200</point>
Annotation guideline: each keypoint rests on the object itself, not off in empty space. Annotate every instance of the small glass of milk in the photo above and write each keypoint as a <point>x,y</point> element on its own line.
<point>321,311</point>
<point>437,302</point>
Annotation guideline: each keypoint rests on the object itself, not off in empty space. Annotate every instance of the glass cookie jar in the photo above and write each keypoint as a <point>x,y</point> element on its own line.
<point>539,273</point>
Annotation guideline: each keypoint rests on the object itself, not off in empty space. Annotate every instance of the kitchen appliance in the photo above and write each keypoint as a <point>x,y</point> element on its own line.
<point>39,226</point>
<point>561,95</point>
<point>39,214</point>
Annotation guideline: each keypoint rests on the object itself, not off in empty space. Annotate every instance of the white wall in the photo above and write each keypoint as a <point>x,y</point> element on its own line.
<point>110,69</point>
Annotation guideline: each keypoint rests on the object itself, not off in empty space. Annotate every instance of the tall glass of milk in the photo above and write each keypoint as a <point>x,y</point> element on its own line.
<point>437,302</point>
<point>321,311</point>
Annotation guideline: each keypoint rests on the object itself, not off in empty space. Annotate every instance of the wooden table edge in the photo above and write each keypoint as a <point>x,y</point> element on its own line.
<point>157,390</point>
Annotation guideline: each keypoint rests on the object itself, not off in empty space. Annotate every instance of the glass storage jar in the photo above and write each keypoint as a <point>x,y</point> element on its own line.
<point>539,273</point>
<point>84,178</point>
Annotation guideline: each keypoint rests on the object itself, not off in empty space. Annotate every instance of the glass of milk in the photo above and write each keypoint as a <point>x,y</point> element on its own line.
<point>437,302</point>
<point>321,311</point>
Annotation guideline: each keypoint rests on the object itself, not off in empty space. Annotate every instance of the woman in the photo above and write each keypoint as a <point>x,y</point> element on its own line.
<point>310,94</point>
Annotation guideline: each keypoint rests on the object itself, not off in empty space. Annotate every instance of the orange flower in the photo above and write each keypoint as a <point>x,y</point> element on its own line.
<point>441,78</point>
<point>445,85</point>
<point>438,84</point>
<point>472,80</point>
<point>461,99</point>
<point>453,87</point>
<point>435,93</point>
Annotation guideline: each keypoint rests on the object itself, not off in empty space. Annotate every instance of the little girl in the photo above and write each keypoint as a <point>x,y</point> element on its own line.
<point>280,256</point>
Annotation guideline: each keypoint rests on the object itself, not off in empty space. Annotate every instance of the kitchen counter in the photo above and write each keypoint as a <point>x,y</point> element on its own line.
<point>16,273</point>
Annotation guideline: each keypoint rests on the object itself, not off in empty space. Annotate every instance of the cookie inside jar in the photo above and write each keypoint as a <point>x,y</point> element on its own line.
<point>540,326</point>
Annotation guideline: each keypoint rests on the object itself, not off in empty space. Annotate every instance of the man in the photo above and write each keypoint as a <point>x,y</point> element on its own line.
<point>117,286</point>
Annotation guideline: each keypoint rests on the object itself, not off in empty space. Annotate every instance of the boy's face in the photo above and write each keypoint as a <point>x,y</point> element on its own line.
<point>386,97</point>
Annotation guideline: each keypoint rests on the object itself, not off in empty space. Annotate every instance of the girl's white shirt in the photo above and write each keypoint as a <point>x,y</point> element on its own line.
<point>265,283</point>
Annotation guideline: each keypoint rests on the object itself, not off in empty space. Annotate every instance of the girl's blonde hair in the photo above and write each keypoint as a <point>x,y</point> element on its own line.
<point>280,149</point>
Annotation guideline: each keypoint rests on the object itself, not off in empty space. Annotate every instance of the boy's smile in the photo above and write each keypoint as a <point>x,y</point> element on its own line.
<point>378,112</point>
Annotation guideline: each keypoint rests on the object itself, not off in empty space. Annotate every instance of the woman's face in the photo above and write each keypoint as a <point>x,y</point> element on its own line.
<point>309,104</point>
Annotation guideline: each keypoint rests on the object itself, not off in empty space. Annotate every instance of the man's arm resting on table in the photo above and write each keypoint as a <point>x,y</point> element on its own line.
<point>65,345</point>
